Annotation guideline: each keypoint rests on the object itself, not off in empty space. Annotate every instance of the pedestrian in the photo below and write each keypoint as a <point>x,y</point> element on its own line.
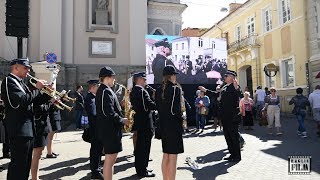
<point>110,120</point>
<point>314,99</point>
<point>19,117</point>
<point>266,90</point>
<point>246,104</point>
<point>259,101</point>
<point>142,105</point>
<point>95,145</point>
<point>202,104</point>
<point>300,110</point>
<point>272,106</point>
<point>79,106</point>
<point>168,100</point>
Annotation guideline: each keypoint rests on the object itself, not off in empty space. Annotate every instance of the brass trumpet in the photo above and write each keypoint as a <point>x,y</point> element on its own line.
<point>55,95</point>
<point>64,95</point>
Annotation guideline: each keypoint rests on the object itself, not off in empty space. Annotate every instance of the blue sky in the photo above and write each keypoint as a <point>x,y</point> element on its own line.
<point>204,13</point>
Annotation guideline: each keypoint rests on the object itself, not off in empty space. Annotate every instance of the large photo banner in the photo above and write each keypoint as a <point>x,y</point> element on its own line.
<point>198,60</point>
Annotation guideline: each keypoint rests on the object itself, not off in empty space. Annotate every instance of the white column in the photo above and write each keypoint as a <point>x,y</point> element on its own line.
<point>50,27</point>
<point>138,30</point>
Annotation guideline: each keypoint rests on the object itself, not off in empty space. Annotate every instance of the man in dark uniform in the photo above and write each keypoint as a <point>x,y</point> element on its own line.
<point>79,106</point>
<point>96,146</point>
<point>142,105</point>
<point>160,61</point>
<point>230,95</point>
<point>18,101</point>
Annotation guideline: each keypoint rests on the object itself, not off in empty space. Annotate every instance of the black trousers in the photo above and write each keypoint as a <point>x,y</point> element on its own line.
<point>21,156</point>
<point>6,145</point>
<point>96,147</point>
<point>232,136</point>
<point>142,151</point>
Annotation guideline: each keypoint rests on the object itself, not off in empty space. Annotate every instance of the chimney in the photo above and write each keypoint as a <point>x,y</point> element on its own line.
<point>233,7</point>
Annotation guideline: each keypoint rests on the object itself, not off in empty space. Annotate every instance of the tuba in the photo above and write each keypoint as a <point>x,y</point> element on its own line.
<point>128,111</point>
<point>55,95</point>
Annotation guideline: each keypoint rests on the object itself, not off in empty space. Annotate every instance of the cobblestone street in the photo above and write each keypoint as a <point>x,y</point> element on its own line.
<point>263,157</point>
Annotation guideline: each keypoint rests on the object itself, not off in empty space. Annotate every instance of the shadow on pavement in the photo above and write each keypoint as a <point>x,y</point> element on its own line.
<point>65,164</point>
<point>67,169</point>
<point>290,143</point>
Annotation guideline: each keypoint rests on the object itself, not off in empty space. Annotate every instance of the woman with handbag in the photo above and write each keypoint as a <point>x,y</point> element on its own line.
<point>246,104</point>
<point>202,103</point>
<point>168,100</point>
<point>272,105</point>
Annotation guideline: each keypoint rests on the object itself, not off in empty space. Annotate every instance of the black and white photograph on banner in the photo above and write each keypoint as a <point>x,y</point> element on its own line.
<point>198,60</point>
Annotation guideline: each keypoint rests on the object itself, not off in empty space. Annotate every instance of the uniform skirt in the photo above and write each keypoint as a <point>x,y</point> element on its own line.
<point>41,139</point>
<point>248,119</point>
<point>172,143</point>
<point>55,125</point>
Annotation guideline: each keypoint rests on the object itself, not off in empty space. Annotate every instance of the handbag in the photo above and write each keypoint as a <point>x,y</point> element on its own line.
<point>263,121</point>
<point>203,110</point>
<point>86,135</point>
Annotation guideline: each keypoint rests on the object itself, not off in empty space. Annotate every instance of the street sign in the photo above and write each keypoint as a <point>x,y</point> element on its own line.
<point>52,66</point>
<point>51,58</point>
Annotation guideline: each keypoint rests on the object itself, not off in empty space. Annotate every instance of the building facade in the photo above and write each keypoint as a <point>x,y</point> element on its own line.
<point>267,45</point>
<point>88,34</point>
<point>314,41</point>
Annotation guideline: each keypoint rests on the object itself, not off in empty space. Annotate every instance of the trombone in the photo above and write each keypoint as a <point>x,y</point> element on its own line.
<point>55,95</point>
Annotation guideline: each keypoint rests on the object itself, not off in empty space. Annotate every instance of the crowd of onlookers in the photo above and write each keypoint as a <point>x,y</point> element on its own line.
<point>262,106</point>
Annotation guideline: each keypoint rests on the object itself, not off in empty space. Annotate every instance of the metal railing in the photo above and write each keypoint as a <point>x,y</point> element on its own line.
<point>247,41</point>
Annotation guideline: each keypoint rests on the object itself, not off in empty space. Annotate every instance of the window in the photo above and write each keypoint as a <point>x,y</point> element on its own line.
<point>250,26</point>
<point>200,42</point>
<point>288,73</point>
<point>177,46</point>
<point>213,45</point>
<point>182,46</point>
<point>175,57</point>
<point>183,57</point>
<point>316,15</point>
<point>237,33</point>
<point>267,19</point>
<point>284,10</point>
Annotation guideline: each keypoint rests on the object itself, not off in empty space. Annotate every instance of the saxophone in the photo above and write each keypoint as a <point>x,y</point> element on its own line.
<point>128,111</point>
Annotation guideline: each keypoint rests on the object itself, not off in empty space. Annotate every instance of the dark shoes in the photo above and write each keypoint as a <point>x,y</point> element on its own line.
<point>53,155</point>
<point>97,176</point>
<point>146,174</point>
<point>232,159</point>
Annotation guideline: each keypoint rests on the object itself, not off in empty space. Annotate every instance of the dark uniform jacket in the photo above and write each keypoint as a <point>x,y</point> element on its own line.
<point>169,108</point>
<point>109,119</point>
<point>142,105</point>
<point>160,62</point>
<point>18,99</point>
<point>230,103</point>
<point>79,101</point>
<point>41,114</point>
<point>90,105</point>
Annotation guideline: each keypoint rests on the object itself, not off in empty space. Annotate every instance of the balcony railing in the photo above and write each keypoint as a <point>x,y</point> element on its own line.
<point>245,42</point>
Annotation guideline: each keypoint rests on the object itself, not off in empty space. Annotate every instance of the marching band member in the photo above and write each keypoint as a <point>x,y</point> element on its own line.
<point>55,126</point>
<point>168,100</point>
<point>109,120</point>
<point>96,146</point>
<point>142,105</point>
<point>18,101</point>
<point>41,114</point>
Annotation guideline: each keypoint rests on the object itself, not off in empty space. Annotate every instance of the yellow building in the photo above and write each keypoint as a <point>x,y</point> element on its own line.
<point>264,32</point>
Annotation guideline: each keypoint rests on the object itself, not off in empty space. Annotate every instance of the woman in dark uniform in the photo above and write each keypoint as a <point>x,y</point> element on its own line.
<point>109,120</point>
<point>41,114</point>
<point>168,100</point>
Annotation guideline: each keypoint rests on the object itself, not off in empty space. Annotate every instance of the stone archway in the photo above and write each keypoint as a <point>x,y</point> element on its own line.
<point>245,78</point>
